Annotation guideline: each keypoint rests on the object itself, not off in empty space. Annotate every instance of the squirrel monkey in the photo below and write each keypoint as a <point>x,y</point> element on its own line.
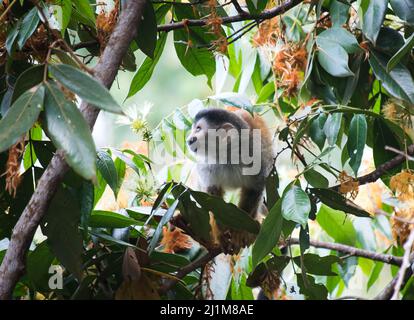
<point>233,151</point>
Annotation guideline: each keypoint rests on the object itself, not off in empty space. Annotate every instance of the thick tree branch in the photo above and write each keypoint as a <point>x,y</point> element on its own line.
<point>13,264</point>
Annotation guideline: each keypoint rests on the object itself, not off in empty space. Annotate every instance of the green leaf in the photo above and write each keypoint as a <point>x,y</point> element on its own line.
<point>108,219</point>
<point>60,225</point>
<point>373,18</point>
<point>106,166</point>
<point>272,185</point>
<point>28,26</point>
<point>337,201</point>
<point>234,99</point>
<point>376,271</point>
<point>404,50</point>
<point>165,218</point>
<point>294,31</point>
<point>144,73</point>
<point>383,136</point>
<point>27,80</point>
<point>269,233</point>
<point>337,225</point>
<point>86,195</point>
<point>20,117</point>
<point>339,13</point>
<point>317,265</point>
<point>340,37</point>
<point>85,86</point>
<point>69,131</point>
<point>38,263</point>
<point>316,179</point>
<point>84,8</point>
<point>197,61</point>
<point>197,217</point>
<point>11,38</point>
<point>333,57</point>
<point>226,213</point>
<point>310,289</point>
<point>266,92</point>
<point>332,126</point>
<point>398,82</point>
<point>404,9</point>
<point>296,205</point>
<point>146,37</point>
<point>357,138</point>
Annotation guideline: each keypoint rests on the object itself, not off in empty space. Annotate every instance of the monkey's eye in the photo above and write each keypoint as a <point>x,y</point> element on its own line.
<point>198,128</point>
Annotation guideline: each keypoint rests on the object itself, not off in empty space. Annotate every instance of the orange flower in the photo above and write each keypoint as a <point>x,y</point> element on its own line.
<point>175,240</point>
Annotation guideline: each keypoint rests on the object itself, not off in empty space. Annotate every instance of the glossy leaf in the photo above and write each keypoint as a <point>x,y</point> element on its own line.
<point>296,205</point>
<point>27,80</point>
<point>165,218</point>
<point>106,166</point>
<point>332,126</point>
<point>147,31</point>
<point>20,117</point>
<point>337,225</point>
<point>85,86</point>
<point>339,12</point>
<point>69,131</point>
<point>269,233</point>
<point>144,73</point>
<point>60,225</point>
<point>333,57</point>
<point>108,219</point>
<point>317,265</point>
<point>316,179</point>
<point>404,9</point>
<point>373,18</point>
<point>398,82</point>
<point>28,26</point>
<point>337,201</point>
<point>405,50</point>
<point>357,138</point>
<point>226,213</point>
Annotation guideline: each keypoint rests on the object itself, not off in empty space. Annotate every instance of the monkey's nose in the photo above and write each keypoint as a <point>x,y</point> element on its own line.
<point>191,140</point>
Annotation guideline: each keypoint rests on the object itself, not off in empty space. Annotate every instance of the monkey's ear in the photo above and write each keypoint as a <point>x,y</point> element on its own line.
<point>227,126</point>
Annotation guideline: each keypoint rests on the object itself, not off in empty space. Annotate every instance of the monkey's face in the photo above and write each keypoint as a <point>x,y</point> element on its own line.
<point>198,135</point>
<point>211,140</point>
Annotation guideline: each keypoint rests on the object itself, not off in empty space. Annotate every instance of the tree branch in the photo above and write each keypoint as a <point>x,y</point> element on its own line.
<point>386,258</point>
<point>383,169</point>
<point>189,268</point>
<point>267,14</point>
<point>13,264</point>
<point>242,16</point>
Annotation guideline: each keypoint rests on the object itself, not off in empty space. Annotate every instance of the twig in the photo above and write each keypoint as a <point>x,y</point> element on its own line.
<point>238,8</point>
<point>399,152</point>
<point>190,267</point>
<point>404,266</point>
<point>376,256</point>
<point>267,14</point>
<point>7,9</point>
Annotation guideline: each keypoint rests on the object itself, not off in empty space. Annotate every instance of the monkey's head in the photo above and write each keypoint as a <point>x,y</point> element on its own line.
<point>212,124</point>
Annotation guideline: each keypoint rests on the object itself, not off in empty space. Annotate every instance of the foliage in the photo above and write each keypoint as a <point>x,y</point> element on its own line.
<point>336,77</point>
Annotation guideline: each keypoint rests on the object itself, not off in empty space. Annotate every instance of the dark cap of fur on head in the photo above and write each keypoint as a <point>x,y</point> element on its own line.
<point>218,116</point>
